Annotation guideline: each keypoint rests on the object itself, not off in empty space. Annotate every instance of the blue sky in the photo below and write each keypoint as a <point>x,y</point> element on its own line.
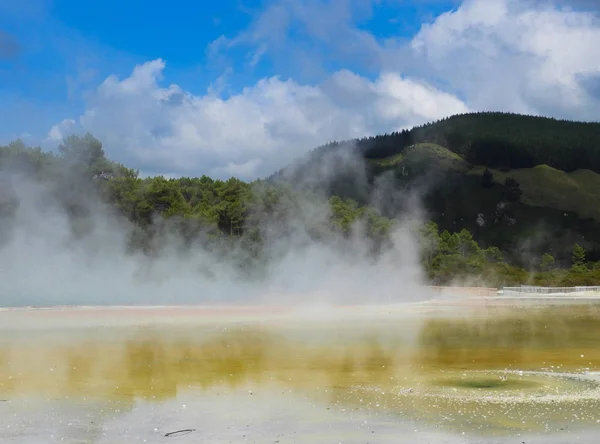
<point>65,38</point>
<point>242,87</point>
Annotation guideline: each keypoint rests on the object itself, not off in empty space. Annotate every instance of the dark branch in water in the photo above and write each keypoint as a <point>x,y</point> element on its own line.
<point>179,433</point>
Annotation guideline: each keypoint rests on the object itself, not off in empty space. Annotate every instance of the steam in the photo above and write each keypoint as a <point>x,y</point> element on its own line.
<point>46,260</point>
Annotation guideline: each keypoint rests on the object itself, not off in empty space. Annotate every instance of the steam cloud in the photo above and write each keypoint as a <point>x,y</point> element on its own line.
<point>45,262</point>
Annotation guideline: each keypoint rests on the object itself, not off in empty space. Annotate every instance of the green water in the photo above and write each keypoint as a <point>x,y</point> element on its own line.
<point>492,371</point>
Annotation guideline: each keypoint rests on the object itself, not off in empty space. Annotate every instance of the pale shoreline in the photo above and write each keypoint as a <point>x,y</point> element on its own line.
<point>442,300</point>
<point>438,296</point>
<point>264,309</point>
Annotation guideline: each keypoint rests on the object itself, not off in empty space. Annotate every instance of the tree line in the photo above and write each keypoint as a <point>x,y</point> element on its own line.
<point>224,214</point>
<point>495,139</point>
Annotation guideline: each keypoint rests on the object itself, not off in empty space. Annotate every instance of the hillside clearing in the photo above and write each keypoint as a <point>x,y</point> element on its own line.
<point>544,186</point>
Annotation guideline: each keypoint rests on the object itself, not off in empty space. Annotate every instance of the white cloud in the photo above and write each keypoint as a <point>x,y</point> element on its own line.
<point>531,56</point>
<point>169,131</point>
<point>507,55</point>
<point>516,56</point>
<point>59,131</point>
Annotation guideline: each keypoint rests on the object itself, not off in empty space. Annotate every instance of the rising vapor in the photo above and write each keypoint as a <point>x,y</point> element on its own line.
<point>79,254</point>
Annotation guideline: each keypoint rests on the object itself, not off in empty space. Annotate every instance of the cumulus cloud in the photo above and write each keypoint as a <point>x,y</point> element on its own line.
<point>61,130</point>
<point>533,57</point>
<point>516,56</point>
<point>166,130</point>
<point>530,56</point>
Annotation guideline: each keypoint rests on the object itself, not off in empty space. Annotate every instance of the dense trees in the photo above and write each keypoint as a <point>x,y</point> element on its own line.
<point>499,140</point>
<point>222,214</point>
<point>462,167</point>
<point>457,258</point>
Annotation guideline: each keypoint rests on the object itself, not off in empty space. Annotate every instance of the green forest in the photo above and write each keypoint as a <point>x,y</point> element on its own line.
<point>508,199</point>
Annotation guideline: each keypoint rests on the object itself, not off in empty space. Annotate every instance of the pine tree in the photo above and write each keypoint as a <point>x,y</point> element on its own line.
<point>578,257</point>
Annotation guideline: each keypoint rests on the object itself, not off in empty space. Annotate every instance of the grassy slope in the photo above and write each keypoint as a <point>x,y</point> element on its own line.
<point>421,153</point>
<point>536,229</point>
<point>556,208</point>
<point>423,159</point>
<point>387,162</point>
<point>544,186</point>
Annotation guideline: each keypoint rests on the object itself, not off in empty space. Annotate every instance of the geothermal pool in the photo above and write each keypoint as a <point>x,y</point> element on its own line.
<point>454,373</point>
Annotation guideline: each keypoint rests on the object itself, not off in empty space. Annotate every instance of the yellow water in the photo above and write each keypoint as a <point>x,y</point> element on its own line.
<point>485,372</point>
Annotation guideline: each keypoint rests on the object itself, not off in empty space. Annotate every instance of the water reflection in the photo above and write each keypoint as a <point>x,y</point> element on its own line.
<point>376,368</point>
<point>534,338</point>
<point>155,364</point>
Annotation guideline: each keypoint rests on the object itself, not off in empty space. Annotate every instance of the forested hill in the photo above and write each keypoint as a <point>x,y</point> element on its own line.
<point>523,183</point>
<point>502,140</point>
<point>497,140</point>
<point>503,196</point>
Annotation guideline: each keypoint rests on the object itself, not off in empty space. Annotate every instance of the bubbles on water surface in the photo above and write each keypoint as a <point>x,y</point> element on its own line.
<point>491,401</point>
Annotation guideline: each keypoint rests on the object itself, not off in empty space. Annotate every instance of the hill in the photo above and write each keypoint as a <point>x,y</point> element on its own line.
<point>501,140</point>
<point>507,200</point>
<point>544,186</point>
<point>552,168</point>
